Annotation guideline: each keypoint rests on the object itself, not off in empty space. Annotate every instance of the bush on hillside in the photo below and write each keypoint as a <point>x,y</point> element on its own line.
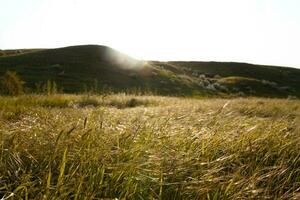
<point>49,87</point>
<point>11,84</point>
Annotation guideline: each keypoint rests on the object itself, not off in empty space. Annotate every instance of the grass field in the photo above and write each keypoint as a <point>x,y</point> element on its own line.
<point>147,147</point>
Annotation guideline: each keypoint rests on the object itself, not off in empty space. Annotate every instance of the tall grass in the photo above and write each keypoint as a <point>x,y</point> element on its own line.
<point>160,148</point>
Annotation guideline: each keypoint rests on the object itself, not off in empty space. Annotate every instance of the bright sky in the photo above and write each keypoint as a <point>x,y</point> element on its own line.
<point>255,31</point>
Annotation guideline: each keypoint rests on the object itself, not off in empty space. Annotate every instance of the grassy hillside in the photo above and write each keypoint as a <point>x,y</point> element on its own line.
<point>78,68</point>
<point>255,80</point>
<point>145,147</point>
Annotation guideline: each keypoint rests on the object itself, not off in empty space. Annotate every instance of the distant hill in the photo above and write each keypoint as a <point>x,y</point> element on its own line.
<point>79,68</point>
<point>15,52</point>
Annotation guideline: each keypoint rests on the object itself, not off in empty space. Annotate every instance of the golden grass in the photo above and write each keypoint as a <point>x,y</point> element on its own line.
<point>146,147</point>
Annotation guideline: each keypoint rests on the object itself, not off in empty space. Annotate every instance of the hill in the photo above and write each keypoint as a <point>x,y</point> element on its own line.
<point>94,67</point>
<point>15,52</point>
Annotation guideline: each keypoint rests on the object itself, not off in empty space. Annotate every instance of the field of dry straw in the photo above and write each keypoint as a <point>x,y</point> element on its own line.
<point>146,147</point>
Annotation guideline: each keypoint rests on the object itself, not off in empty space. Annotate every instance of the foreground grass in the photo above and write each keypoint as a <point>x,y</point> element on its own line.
<point>133,147</point>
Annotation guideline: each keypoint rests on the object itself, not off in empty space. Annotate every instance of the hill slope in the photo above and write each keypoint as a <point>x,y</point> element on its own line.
<point>79,67</point>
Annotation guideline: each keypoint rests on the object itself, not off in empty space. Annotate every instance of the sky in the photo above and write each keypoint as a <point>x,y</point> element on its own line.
<point>254,31</point>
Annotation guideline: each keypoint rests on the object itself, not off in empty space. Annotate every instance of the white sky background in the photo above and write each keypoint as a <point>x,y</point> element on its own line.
<point>255,31</point>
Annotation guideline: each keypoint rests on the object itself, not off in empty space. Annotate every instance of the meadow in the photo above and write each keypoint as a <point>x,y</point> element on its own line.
<point>148,147</point>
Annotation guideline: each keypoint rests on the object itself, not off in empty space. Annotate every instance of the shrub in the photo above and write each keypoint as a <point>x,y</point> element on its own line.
<point>50,87</point>
<point>87,100</point>
<point>11,84</point>
<point>128,103</point>
<point>133,102</point>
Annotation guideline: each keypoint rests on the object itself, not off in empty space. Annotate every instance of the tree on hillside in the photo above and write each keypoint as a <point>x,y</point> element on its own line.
<point>11,84</point>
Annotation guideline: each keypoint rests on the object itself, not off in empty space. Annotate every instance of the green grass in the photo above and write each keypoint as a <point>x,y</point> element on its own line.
<point>148,147</point>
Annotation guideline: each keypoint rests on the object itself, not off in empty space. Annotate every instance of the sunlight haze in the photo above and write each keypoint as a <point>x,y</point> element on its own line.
<point>254,31</point>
